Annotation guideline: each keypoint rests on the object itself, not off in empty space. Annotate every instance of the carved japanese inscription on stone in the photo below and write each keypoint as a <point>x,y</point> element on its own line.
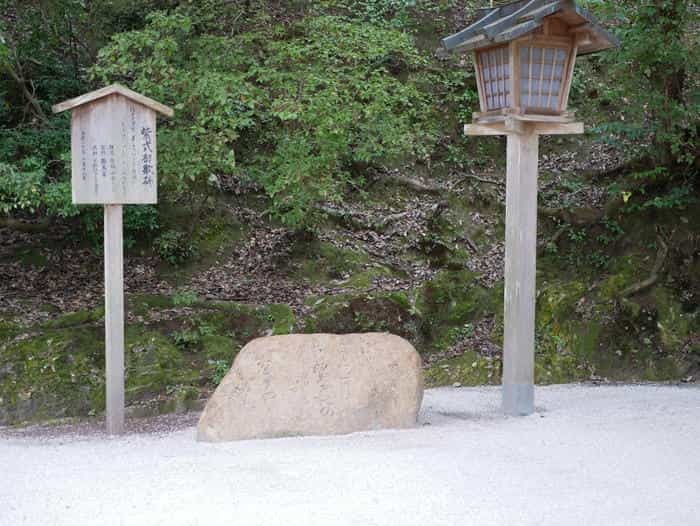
<point>306,384</point>
<point>113,141</point>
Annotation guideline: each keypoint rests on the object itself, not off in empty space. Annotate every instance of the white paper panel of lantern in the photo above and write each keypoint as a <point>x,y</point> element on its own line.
<point>495,73</point>
<point>542,71</point>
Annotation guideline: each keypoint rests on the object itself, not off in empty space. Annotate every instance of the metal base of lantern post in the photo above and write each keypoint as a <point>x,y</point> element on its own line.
<point>518,395</point>
<point>518,399</point>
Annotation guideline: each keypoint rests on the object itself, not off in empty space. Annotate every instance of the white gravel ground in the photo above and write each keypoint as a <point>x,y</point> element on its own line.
<point>591,455</point>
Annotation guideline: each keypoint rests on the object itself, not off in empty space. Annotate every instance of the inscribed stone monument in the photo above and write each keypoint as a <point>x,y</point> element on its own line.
<point>315,384</point>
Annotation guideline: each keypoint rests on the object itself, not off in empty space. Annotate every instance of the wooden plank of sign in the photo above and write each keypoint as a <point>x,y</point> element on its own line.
<point>113,143</point>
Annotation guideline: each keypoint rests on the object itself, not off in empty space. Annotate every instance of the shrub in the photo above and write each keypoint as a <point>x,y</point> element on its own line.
<point>174,247</point>
<point>24,187</point>
<point>299,106</point>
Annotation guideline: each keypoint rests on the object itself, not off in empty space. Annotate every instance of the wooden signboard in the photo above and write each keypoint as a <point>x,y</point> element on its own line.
<point>114,155</point>
<point>113,152</point>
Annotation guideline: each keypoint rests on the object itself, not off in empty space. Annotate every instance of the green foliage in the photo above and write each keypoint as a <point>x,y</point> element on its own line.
<point>456,86</point>
<point>576,235</point>
<point>187,339</point>
<point>48,146</point>
<point>300,109</point>
<point>387,13</point>
<point>459,333</point>
<point>174,247</point>
<point>303,103</point>
<point>337,103</point>
<point>221,367</point>
<point>656,71</point>
<point>585,245</point>
<point>44,49</point>
<point>140,222</point>
<point>19,190</point>
<point>193,334</point>
<point>24,188</point>
<point>165,62</point>
<point>678,197</point>
<point>613,231</point>
<point>184,298</point>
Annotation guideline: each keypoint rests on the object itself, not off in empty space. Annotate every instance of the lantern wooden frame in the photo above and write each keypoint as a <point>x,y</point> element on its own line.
<point>512,51</point>
<point>502,32</point>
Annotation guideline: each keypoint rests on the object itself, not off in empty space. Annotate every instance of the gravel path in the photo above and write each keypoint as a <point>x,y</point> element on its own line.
<point>611,455</point>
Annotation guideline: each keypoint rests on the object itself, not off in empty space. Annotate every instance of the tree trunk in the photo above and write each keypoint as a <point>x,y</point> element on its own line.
<point>669,79</point>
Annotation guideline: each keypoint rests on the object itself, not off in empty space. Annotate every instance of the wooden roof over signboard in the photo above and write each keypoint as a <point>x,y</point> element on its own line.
<point>510,21</point>
<point>110,90</point>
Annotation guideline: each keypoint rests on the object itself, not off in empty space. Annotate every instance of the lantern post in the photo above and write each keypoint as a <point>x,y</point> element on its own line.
<point>525,54</point>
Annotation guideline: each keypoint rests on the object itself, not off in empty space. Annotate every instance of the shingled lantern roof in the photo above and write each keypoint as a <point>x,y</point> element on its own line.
<point>525,54</point>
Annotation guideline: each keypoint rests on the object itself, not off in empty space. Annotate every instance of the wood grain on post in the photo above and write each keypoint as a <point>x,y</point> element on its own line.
<point>522,133</point>
<point>521,251</point>
<point>114,318</point>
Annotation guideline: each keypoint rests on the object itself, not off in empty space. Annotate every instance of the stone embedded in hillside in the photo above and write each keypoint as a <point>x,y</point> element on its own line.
<point>315,384</point>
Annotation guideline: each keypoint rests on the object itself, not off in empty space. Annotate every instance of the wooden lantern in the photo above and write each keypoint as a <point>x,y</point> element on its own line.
<point>525,53</point>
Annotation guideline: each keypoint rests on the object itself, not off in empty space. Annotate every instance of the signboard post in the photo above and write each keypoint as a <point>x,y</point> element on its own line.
<point>113,163</point>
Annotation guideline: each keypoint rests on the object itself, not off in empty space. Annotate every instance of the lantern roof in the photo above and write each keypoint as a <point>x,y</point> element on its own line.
<point>498,25</point>
<point>110,90</point>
